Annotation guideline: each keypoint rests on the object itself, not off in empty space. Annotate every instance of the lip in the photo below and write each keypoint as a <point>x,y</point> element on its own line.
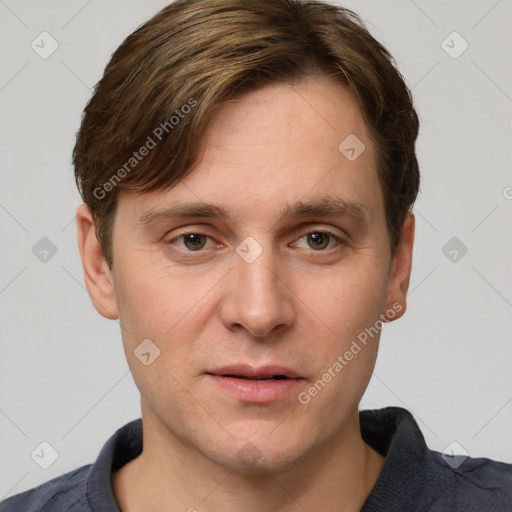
<point>235,380</point>
<point>245,370</point>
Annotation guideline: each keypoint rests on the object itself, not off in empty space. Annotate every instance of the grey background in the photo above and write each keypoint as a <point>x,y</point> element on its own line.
<point>63,375</point>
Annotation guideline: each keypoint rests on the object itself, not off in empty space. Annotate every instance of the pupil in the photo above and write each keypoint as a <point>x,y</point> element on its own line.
<point>193,241</point>
<point>318,239</point>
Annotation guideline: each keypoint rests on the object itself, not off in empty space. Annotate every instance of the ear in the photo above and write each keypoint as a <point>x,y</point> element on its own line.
<point>401,270</point>
<point>97,275</point>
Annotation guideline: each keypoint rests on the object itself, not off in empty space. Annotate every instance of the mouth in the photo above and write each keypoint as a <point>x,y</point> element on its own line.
<point>256,385</point>
<point>247,372</point>
<point>274,377</point>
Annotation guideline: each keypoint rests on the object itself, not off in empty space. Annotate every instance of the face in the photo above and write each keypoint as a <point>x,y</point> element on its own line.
<point>271,258</point>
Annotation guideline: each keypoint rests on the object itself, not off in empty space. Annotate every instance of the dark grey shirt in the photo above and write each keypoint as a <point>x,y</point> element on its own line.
<point>413,478</point>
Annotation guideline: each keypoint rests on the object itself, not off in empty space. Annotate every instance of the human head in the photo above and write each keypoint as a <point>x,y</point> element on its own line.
<point>164,84</point>
<point>264,168</point>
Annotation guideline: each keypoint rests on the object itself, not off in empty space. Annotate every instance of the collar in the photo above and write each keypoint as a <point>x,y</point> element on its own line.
<point>391,431</point>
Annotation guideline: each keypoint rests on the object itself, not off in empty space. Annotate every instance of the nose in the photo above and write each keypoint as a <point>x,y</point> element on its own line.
<point>256,297</point>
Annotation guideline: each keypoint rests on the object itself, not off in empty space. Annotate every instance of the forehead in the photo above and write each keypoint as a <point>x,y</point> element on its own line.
<point>324,103</point>
<point>278,145</point>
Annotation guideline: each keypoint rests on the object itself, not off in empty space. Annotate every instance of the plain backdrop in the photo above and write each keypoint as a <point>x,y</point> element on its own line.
<point>63,375</point>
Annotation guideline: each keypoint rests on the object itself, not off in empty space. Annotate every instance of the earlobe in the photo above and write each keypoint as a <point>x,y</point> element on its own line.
<point>401,270</point>
<point>97,275</point>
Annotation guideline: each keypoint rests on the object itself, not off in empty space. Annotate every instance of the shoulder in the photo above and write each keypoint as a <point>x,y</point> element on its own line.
<point>472,484</point>
<point>416,478</point>
<point>88,488</point>
<point>64,493</point>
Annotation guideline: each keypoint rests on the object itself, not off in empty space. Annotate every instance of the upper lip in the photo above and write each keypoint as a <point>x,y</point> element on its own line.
<point>245,370</point>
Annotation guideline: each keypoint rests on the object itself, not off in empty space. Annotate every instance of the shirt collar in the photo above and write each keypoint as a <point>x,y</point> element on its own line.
<point>124,446</point>
<point>391,431</point>
<point>394,433</point>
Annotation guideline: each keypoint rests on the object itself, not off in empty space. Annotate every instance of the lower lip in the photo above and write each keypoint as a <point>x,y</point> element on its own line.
<point>257,391</point>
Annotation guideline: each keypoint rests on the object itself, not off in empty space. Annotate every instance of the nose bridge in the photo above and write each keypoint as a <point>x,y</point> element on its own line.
<point>257,300</point>
<point>255,265</point>
<point>259,275</point>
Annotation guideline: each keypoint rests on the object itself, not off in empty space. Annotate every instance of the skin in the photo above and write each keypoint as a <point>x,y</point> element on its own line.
<point>296,305</point>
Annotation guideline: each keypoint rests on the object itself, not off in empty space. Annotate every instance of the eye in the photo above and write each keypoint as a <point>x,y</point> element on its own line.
<point>316,240</point>
<point>191,241</point>
<point>320,240</point>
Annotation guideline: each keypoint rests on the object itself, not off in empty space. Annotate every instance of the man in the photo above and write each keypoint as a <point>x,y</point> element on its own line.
<point>248,172</point>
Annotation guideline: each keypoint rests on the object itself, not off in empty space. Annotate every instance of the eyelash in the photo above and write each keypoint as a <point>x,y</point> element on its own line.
<point>338,239</point>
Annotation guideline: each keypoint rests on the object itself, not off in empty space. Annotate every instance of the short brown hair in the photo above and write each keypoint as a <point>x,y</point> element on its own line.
<point>164,83</point>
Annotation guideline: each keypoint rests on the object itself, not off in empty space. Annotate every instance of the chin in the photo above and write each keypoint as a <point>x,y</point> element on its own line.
<point>260,455</point>
<point>251,461</point>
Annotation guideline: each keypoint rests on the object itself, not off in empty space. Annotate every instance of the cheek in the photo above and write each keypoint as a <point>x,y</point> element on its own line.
<point>344,355</point>
<point>170,311</point>
<point>155,309</point>
<point>346,314</point>
<point>139,302</point>
<point>348,300</point>
<point>152,304</point>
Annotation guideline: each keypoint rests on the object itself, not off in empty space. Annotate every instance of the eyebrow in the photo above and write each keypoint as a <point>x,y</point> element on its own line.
<point>327,206</point>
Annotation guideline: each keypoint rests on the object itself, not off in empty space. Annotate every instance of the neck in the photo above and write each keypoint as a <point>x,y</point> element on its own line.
<point>334,477</point>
